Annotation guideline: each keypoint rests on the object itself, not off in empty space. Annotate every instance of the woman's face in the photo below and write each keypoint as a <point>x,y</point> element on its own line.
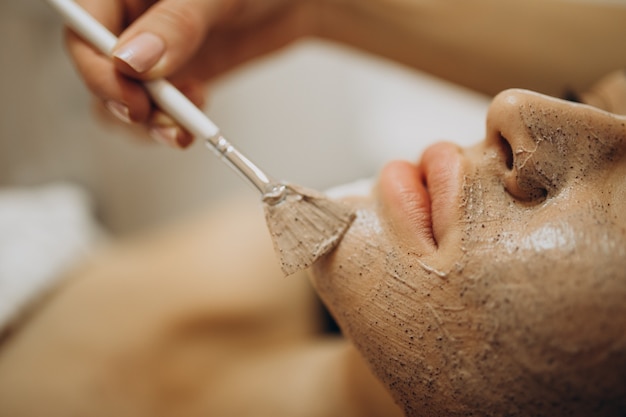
<point>493,279</point>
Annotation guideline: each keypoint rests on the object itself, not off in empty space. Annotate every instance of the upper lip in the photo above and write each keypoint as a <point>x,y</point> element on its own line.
<point>421,201</point>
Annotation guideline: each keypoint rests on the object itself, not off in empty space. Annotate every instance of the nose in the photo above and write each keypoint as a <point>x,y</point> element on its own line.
<point>545,143</point>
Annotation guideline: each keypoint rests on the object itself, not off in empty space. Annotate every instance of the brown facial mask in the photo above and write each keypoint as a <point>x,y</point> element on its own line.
<point>492,280</point>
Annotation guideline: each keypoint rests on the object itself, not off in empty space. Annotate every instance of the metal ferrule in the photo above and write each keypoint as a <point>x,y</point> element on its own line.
<point>271,190</point>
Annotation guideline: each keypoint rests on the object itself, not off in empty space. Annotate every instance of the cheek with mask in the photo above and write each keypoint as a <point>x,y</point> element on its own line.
<point>546,287</point>
<point>519,309</point>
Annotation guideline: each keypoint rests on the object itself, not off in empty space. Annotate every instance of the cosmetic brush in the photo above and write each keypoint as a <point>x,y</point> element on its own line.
<point>304,224</point>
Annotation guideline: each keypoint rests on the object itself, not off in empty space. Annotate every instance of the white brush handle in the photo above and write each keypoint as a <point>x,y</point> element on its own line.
<point>171,100</point>
<point>168,97</point>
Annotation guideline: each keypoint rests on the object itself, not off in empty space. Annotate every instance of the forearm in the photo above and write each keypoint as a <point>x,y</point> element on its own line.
<point>547,45</point>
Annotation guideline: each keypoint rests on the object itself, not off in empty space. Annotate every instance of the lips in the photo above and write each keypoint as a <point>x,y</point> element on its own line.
<point>421,202</point>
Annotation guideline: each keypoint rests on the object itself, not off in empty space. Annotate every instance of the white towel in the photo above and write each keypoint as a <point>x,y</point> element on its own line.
<point>43,231</point>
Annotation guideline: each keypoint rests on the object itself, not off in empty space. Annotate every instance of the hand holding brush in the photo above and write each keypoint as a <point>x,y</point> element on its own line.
<point>304,224</point>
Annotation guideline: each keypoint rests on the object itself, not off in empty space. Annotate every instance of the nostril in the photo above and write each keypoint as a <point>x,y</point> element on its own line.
<point>507,151</point>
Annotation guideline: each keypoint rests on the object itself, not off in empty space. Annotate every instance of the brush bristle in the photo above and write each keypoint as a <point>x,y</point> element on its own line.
<point>304,226</point>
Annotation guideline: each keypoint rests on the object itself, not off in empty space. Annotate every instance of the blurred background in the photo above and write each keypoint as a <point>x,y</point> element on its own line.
<point>315,114</point>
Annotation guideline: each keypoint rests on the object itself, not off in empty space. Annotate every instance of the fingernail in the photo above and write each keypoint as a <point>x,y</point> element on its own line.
<point>165,135</point>
<point>142,52</point>
<point>119,110</point>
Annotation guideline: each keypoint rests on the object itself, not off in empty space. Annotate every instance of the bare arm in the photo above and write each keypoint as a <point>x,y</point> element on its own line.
<point>546,45</point>
<point>550,46</point>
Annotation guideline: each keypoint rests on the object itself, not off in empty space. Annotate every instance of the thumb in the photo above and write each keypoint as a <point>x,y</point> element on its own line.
<point>166,36</point>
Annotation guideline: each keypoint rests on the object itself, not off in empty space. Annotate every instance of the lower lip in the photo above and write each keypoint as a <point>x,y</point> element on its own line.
<point>421,201</point>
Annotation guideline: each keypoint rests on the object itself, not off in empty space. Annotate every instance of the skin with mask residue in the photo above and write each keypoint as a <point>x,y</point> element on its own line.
<point>490,280</point>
